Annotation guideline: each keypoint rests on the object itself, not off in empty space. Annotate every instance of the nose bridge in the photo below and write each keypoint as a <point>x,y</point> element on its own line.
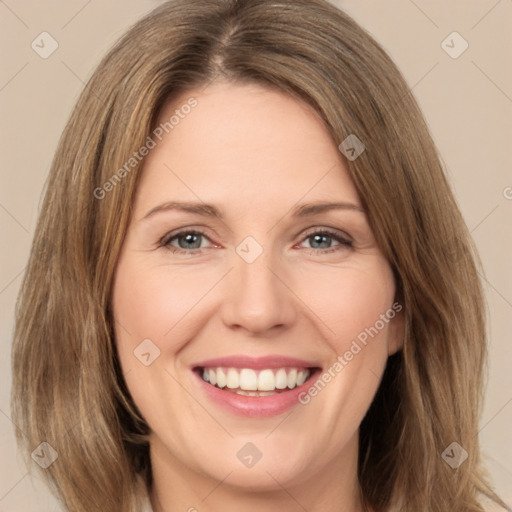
<point>258,298</point>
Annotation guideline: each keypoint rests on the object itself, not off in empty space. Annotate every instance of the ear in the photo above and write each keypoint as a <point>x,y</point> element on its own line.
<point>396,332</point>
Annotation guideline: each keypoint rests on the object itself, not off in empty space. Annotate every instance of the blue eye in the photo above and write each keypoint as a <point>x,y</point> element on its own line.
<point>190,242</point>
<point>321,241</point>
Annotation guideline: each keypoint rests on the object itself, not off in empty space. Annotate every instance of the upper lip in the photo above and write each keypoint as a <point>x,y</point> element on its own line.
<point>243,361</point>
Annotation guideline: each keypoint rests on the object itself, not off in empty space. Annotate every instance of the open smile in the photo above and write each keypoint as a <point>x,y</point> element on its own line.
<point>250,382</point>
<point>255,387</point>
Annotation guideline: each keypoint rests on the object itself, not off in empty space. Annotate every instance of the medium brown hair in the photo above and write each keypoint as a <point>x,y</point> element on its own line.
<point>68,389</point>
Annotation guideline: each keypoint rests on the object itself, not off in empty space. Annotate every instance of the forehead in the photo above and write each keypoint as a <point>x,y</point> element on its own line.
<point>243,144</point>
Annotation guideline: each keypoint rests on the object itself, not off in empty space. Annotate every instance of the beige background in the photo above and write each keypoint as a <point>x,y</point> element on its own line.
<point>467,102</point>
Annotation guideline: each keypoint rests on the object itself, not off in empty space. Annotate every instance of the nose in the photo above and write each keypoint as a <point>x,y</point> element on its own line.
<point>258,297</point>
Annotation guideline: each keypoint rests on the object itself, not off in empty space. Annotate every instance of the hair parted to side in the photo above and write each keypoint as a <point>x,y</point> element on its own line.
<point>68,389</point>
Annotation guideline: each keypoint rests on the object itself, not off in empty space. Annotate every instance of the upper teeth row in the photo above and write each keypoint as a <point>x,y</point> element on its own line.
<point>249,380</point>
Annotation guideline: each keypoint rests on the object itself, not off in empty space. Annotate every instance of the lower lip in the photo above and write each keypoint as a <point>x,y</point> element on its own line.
<point>255,406</point>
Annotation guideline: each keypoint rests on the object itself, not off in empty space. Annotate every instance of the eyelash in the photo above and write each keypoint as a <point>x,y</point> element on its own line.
<point>343,242</point>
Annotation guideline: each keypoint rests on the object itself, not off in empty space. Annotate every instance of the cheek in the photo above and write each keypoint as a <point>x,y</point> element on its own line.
<point>150,303</point>
<point>349,301</point>
<point>153,302</point>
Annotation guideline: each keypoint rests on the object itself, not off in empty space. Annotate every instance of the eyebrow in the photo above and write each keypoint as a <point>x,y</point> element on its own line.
<point>209,210</point>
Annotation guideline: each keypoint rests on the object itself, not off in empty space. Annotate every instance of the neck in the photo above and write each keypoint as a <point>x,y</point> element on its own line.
<point>178,488</point>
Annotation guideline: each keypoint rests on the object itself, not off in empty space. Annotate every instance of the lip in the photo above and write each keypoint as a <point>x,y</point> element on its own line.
<point>255,406</point>
<point>257,363</point>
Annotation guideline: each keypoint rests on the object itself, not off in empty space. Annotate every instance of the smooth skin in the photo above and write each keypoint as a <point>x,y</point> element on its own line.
<point>255,154</point>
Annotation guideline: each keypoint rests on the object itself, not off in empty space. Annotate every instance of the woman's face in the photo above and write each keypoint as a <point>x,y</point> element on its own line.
<point>234,270</point>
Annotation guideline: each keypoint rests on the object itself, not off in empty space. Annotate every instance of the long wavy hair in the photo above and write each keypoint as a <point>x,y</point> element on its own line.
<point>68,389</point>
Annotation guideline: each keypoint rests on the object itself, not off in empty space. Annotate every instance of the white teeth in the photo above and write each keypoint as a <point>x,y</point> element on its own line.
<point>292,378</point>
<point>301,378</point>
<point>221,378</point>
<point>233,379</point>
<point>281,379</point>
<point>248,380</point>
<point>256,382</point>
<point>266,380</point>
<point>255,393</point>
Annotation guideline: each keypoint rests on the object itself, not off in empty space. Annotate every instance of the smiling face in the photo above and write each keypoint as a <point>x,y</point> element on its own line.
<point>248,275</point>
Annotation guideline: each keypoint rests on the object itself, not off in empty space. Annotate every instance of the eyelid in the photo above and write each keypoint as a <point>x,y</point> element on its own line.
<point>342,237</point>
<point>331,231</point>
<point>181,231</point>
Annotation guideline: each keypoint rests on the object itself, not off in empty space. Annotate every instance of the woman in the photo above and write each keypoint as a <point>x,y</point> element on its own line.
<point>252,369</point>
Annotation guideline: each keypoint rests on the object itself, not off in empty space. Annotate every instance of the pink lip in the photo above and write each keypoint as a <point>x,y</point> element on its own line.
<point>273,361</point>
<point>255,406</point>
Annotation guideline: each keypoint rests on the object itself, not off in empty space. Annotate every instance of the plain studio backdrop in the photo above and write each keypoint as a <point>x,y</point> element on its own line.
<point>462,80</point>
